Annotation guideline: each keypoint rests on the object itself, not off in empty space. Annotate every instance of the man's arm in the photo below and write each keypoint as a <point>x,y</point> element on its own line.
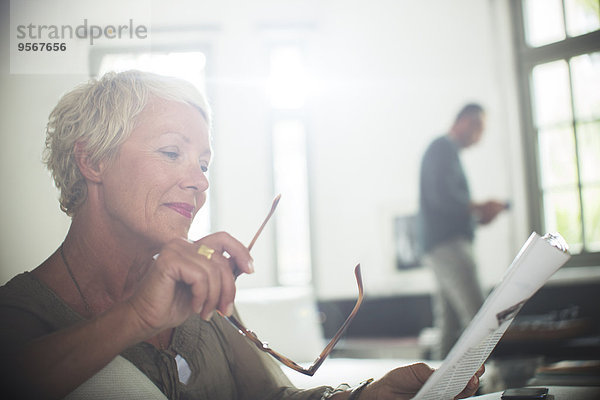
<point>487,211</point>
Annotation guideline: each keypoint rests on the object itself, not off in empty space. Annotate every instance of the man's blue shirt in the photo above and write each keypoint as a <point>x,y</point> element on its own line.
<point>444,195</point>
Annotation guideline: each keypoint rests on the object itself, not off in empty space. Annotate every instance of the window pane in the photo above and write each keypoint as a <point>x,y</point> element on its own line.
<point>585,72</point>
<point>588,138</point>
<point>188,65</point>
<point>543,22</point>
<point>551,94</point>
<point>591,212</point>
<point>558,165</point>
<point>288,81</point>
<point>582,16</point>
<point>562,214</point>
<point>293,237</point>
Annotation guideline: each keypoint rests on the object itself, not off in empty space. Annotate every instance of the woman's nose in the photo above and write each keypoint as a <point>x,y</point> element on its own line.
<point>196,179</point>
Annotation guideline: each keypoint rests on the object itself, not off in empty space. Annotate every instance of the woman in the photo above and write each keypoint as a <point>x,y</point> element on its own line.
<point>129,154</point>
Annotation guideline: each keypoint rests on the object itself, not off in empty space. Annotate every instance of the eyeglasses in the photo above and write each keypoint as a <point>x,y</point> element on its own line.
<point>310,371</point>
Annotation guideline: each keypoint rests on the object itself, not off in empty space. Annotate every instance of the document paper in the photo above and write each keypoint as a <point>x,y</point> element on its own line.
<point>535,263</point>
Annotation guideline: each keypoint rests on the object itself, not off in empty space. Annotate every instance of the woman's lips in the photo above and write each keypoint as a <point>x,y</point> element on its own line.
<point>184,209</point>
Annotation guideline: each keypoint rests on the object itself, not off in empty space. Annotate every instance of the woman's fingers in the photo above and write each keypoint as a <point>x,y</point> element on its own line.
<point>470,389</point>
<point>223,242</point>
<point>184,281</point>
<point>228,292</point>
<point>215,286</point>
<point>472,385</point>
<point>218,270</point>
<point>480,371</point>
<point>196,282</point>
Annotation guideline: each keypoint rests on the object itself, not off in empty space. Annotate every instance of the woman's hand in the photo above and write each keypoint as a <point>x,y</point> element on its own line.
<point>404,382</point>
<point>181,281</point>
<point>178,283</point>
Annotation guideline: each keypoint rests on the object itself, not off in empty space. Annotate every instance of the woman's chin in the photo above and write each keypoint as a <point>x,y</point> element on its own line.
<point>178,233</point>
<point>159,238</point>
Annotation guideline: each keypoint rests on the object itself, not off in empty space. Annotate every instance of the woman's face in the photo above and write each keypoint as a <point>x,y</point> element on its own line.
<point>158,181</point>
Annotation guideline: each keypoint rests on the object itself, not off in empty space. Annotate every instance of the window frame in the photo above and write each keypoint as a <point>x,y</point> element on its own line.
<point>527,58</point>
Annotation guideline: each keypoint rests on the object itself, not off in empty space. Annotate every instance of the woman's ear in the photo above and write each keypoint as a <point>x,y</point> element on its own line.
<point>91,171</point>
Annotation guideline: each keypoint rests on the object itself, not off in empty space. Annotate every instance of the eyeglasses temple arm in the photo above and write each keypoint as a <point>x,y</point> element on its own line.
<point>264,346</point>
<point>317,363</point>
<point>269,215</point>
<point>310,371</point>
<point>237,272</point>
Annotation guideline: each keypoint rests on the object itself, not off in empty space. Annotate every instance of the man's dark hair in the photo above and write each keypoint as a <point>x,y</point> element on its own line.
<point>470,109</point>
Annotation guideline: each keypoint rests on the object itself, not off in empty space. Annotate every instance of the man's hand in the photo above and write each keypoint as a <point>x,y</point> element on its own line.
<point>487,211</point>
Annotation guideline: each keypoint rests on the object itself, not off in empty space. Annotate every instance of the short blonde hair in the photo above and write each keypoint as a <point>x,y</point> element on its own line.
<point>100,115</point>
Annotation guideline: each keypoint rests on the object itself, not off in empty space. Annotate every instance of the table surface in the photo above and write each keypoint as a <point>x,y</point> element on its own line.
<point>337,370</point>
<point>558,393</point>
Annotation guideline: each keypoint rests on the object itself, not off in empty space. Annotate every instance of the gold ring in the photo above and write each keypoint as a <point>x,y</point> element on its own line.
<point>205,251</point>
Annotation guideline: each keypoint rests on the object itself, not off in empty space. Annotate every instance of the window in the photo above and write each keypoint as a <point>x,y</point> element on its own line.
<point>188,65</point>
<point>288,89</point>
<point>290,177</point>
<point>559,67</point>
<point>550,21</point>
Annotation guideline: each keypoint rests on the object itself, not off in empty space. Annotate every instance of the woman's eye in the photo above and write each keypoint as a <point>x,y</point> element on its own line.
<point>173,155</point>
<point>204,168</point>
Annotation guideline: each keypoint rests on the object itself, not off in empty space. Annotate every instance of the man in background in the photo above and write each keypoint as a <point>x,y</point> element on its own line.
<point>448,217</point>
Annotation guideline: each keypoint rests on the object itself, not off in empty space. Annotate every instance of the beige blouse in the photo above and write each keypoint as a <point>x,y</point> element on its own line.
<point>223,364</point>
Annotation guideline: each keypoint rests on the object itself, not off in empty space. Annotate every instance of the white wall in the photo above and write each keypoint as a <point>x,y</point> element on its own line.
<point>32,224</point>
<point>389,77</point>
